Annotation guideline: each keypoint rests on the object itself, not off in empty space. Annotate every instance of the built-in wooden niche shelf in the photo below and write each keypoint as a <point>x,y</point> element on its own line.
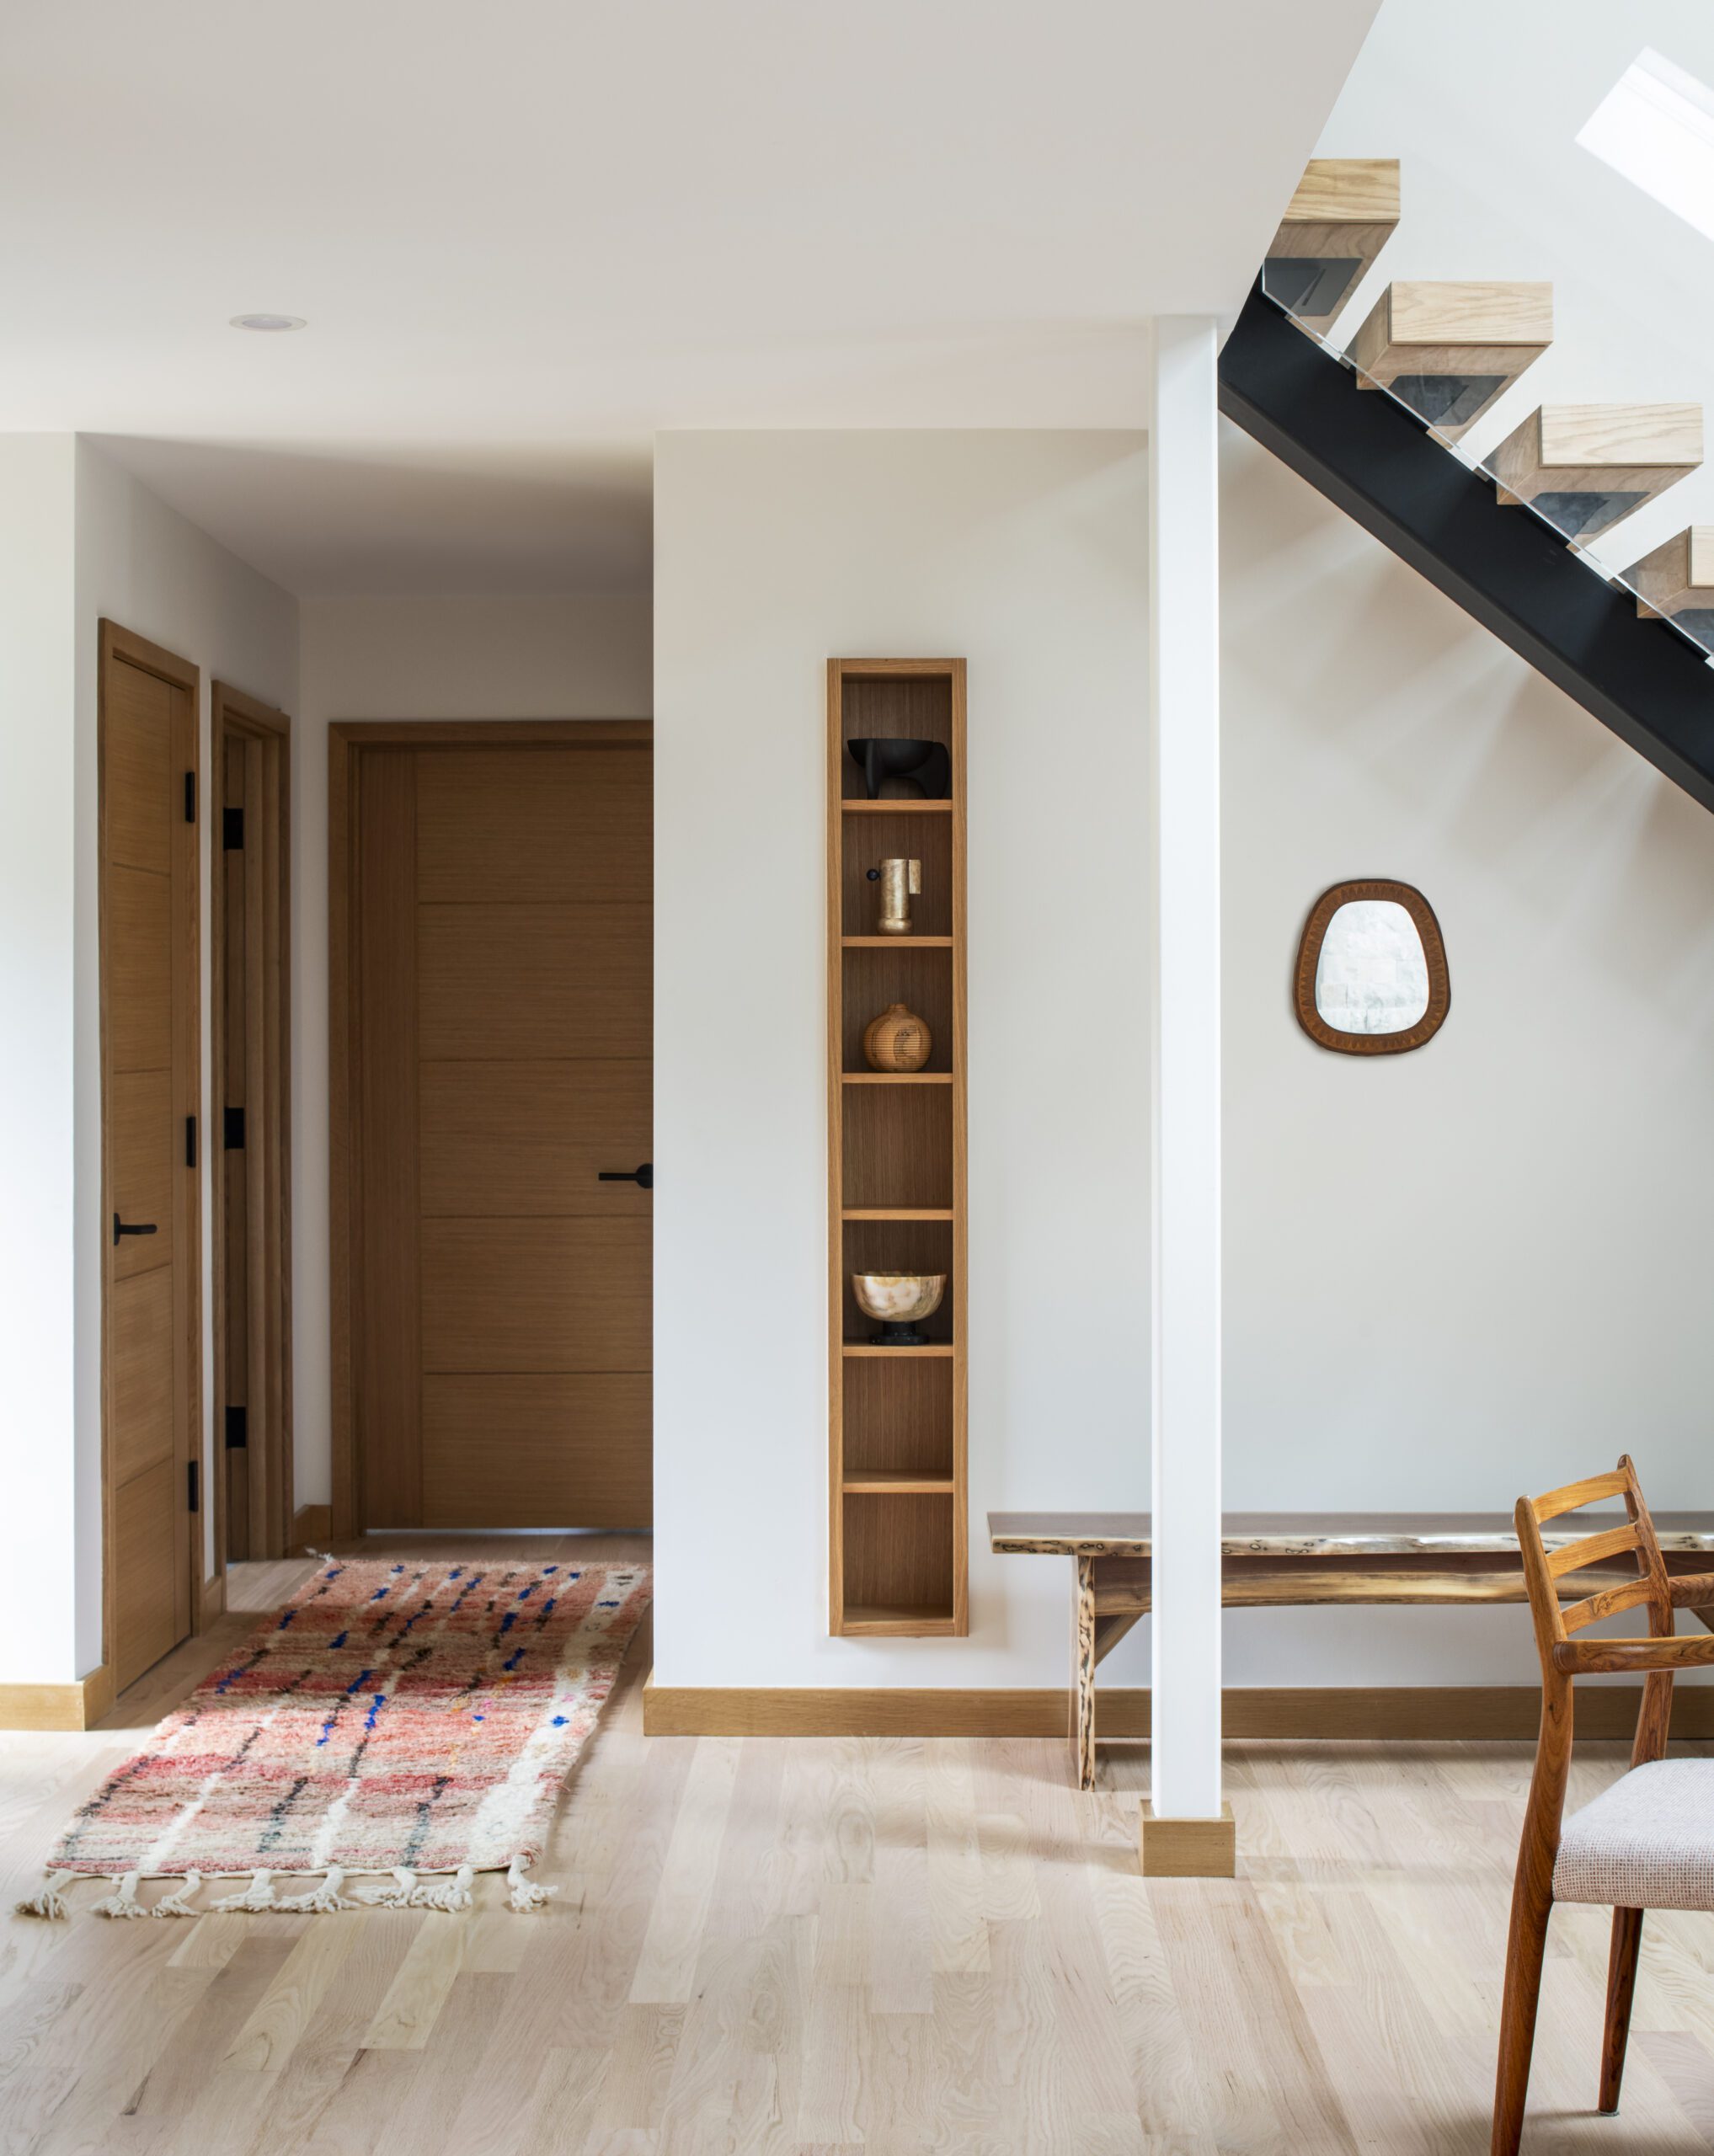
<point>896,1174</point>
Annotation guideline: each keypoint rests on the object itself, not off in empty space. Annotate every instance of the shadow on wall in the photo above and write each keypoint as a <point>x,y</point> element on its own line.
<point>1459,1274</point>
<point>1420,705</point>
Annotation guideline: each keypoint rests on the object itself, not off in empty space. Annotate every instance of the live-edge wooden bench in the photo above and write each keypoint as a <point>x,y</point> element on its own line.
<point>1291,1559</point>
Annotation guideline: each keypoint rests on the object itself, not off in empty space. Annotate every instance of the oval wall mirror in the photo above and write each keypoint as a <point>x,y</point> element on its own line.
<point>1371,970</point>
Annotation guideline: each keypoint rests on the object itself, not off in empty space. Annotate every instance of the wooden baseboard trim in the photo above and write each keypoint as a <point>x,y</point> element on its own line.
<point>1492,1712</point>
<point>78,1706</point>
<point>311,1528</point>
<point>1187,1849</point>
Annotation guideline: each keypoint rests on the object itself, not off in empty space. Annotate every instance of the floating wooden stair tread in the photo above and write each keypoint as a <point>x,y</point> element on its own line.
<point>1677,579</point>
<point>1344,213</point>
<point>1583,466</point>
<point>1448,350</point>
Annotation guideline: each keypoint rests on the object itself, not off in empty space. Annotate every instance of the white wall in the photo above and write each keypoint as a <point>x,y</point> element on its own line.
<point>1487,1267</point>
<point>569,656</point>
<point>38,886</point>
<point>1482,106</point>
<point>1026,554</point>
<point>141,564</point>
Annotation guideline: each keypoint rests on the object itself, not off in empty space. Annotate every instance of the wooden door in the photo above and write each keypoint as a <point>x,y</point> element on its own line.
<point>501,983</point>
<point>151,1202</point>
<point>250,1132</point>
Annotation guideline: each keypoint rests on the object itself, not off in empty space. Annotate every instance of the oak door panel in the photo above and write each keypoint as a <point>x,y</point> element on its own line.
<point>536,1451</point>
<point>536,1295</point>
<point>151,1074</point>
<point>390,1357</point>
<point>142,774</point>
<point>517,983</point>
<point>137,925</point>
<point>142,1164</point>
<point>145,1622</point>
<point>534,824</point>
<point>502,1139</point>
<point>139,1376</point>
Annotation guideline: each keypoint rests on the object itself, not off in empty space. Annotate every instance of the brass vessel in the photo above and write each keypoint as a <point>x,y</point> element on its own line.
<point>900,882</point>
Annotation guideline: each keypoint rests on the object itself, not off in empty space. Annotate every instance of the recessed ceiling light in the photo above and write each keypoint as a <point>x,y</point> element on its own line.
<point>269,322</point>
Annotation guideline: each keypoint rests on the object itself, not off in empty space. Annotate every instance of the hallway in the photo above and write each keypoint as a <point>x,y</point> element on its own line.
<point>797,1944</point>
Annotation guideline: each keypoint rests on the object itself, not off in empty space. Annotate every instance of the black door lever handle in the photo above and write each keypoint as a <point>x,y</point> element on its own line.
<point>643,1175</point>
<point>128,1228</point>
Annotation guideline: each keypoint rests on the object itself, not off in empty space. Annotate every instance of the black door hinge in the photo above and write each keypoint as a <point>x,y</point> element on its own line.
<point>190,1141</point>
<point>238,1428</point>
<point>193,1478</point>
<point>231,829</point>
<point>190,797</point>
<point>232,1134</point>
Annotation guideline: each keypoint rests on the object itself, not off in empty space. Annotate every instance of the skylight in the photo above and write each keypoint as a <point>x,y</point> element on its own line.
<point>1655,127</point>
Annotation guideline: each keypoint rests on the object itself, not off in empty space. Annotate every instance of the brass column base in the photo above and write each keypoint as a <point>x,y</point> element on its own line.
<point>1187,1848</point>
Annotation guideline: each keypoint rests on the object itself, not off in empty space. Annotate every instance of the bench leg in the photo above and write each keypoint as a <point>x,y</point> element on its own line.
<point>1083,1671</point>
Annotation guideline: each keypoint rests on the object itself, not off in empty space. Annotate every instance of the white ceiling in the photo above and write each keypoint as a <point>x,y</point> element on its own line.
<point>529,234</point>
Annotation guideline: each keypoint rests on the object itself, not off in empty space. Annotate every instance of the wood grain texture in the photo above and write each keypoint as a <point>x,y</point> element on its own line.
<point>1320,1534</point>
<point>150,978</point>
<point>513,982</point>
<point>1636,450</point>
<point>896,1166</point>
<point>504,1140</point>
<point>1561,1659</point>
<point>530,945</point>
<point>1187,1849</point>
<point>534,825</point>
<point>538,1451</point>
<point>250,975</point>
<point>1678,573</point>
<point>389,1331</point>
<point>898,1944</point>
<point>1462,331</point>
<point>536,1295</point>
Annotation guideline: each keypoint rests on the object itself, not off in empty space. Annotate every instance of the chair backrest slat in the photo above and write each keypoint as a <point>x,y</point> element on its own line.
<point>1606,1602</point>
<point>1544,1569</point>
<point>1576,1495</point>
<point>1612,1542</point>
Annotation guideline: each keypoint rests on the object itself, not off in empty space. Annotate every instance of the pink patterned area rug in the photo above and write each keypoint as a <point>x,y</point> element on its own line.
<point>393,1723</point>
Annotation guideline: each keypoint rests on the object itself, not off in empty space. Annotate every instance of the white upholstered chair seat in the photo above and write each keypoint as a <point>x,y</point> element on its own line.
<point>1646,1843</point>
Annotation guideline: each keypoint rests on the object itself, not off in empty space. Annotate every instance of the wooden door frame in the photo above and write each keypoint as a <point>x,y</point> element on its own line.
<point>118,643</point>
<point>347,740</point>
<point>234,716</point>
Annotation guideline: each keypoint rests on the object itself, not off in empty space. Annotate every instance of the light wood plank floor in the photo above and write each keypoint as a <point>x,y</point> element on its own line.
<point>859,1944</point>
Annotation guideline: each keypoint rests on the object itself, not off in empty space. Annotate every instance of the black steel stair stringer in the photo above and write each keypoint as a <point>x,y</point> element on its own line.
<point>1504,566</point>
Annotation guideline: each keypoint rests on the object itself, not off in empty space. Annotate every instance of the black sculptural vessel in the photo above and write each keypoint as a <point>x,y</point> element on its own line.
<point>923,769</point>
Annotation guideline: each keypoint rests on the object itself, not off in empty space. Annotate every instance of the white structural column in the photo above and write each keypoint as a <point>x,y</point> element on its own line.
<point>1184,807</point>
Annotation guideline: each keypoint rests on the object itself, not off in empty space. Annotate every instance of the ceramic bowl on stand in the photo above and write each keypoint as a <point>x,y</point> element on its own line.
<point>899,1301</point>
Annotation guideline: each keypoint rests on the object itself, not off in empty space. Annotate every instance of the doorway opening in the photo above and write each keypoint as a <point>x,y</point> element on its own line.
<point>251,1124</point>
<point>490,1080</point>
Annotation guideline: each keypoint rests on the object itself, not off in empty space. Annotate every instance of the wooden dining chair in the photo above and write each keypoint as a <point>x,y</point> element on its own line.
<point>1647,1842</point>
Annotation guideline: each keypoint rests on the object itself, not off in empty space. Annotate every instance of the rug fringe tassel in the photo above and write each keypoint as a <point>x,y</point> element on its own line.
<point>323,1900</point>
<point>396,1897</point>
<point>51,1902</point>
<point>525,1894</point>
<point>258,1895</point>
<point>178,1902</point>
<point>123,1901</point>
<point>455,1894</point>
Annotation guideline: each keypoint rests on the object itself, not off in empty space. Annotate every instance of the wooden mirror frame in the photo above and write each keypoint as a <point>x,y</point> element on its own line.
<point>1309,954</point>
